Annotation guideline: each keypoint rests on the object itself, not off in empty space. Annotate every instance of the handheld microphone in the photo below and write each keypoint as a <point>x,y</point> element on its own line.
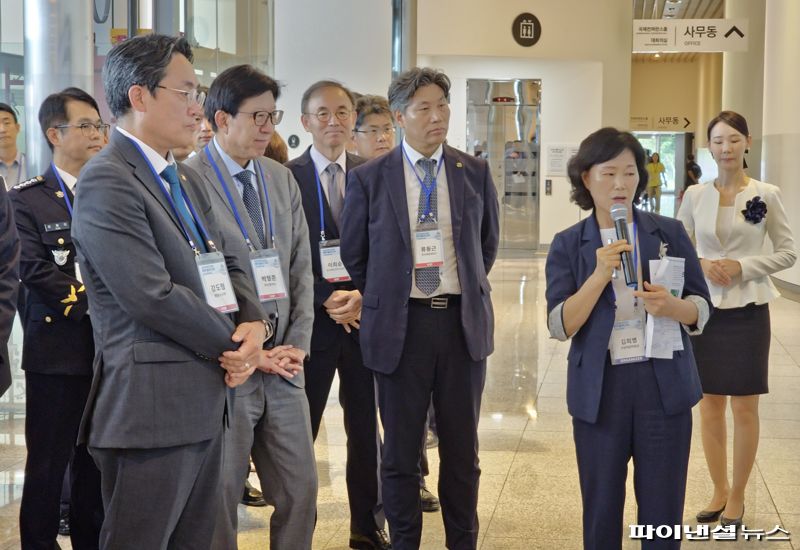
<point>619,213</point>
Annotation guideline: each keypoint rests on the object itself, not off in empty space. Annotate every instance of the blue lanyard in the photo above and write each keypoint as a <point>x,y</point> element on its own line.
<point>233,205</point>
<point>63,188</point>
<point>427,190</point>
<point>168,196</point>
<point>321,207</point>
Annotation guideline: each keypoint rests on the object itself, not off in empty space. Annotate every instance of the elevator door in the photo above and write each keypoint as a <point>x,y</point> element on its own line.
<point>503,128</point>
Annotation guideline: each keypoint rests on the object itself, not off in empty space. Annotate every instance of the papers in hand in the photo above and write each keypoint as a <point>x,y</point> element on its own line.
<point>663,335</point>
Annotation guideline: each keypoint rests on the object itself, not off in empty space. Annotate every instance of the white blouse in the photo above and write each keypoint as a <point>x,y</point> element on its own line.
<point>747,242</point>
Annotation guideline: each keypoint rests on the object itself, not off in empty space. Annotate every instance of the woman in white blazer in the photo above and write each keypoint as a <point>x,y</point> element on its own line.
<point>729,219</point>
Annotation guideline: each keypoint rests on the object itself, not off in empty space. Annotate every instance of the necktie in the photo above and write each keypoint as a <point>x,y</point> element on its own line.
<point>170,174</point>
<point>427,278</point>
<point>252,203</point>
<point>335,198</point>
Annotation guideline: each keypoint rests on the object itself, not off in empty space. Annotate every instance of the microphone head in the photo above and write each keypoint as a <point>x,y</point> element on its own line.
<point>618,211</point>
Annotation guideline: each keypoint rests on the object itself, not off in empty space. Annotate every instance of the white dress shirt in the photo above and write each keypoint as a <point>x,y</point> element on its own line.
<point>158,162</point>
<point>68,179</point>
<point>745,243</point>
<point>449,271</point>
<point>321,162</point>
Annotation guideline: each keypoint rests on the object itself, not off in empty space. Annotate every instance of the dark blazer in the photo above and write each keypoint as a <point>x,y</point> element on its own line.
<point>571,260</point>
<point>9,281</point>
<point>325,329</point>
<point>58,333</point>
<point>157,381</point>
<point>376,249</point>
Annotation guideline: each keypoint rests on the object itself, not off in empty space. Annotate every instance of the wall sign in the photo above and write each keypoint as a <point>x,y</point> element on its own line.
<point>690,35</point>
<point>558,155</point>
<point>293,141</point>
<point>526,29</point>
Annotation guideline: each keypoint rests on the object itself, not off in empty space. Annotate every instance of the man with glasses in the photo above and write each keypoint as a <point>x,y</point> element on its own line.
<point>176,318</point>
<point>58,347</point>
<point>12,161</point>
<point>374,130</point>
<point>260,213</point>
<point>328,115</point>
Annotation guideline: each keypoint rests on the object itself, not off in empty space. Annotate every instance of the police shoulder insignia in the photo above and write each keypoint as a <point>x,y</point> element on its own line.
<point>29,183</point>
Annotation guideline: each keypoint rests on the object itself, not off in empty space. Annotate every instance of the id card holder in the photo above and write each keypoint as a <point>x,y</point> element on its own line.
<point>268,274</point>
<point>216,282</point>
<point>330,256</point>
<point>627,342</point>
<point>428,248</point>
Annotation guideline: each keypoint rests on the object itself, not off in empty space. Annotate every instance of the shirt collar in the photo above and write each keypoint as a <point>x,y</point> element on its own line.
<point>414,155</point>
<point>68,179</point>
<point>158,162</point>
<point>233,166</point>
<point>19,160</point>
<point>321,161</point>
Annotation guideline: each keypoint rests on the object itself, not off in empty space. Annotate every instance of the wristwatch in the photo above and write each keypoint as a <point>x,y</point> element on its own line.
<point>268,331</point>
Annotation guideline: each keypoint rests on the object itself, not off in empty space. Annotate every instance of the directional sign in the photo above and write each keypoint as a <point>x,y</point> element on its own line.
<point>661,122</point>
<point>690,35</point>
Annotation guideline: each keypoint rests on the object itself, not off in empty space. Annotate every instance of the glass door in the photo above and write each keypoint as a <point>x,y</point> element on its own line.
<point>665,145</point>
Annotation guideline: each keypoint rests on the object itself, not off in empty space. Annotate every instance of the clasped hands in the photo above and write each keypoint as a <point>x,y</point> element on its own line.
<point>284,360</point>
<point>344,307</point>
<point>721,272</point>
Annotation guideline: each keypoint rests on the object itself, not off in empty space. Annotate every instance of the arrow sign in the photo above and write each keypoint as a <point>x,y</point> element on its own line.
<point>687,122</point>
<point>734,29</point>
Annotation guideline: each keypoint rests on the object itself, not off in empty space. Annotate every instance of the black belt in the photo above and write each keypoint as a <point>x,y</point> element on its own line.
<point>442,301</point>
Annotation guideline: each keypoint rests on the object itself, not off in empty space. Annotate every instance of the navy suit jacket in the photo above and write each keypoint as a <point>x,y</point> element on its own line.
<point>326,331</point>
<point>58,333</point>
<point>571,260</point>
<point>9,282</point>
<point>376,249</point>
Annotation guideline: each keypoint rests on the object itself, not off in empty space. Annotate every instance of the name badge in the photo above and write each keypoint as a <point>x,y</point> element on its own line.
<point>216,282</point>
<point>330,256</point>
<point>627,342</point>
<point>268,274</point>
<point>428,248</point>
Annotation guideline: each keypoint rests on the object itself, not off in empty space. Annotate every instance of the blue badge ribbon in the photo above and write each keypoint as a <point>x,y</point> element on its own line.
<point>426,189</point>
<point>63,188</point>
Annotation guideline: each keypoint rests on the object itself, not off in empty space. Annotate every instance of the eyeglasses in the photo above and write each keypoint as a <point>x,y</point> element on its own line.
<point>261,117</point>
<point>325,116</point>
<point>192,96</point>
<point>375,133</point>
<point>87,128</point>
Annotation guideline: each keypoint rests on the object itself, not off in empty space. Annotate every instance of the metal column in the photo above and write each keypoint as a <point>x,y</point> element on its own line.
<point>404,35</point>
<point>58,53</point>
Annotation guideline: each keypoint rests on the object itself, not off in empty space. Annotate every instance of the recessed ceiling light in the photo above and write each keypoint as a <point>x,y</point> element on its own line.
<point>657,55</point>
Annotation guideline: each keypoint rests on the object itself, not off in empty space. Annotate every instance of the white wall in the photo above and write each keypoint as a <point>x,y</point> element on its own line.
<point>345,40</point>
<point>571,109</point>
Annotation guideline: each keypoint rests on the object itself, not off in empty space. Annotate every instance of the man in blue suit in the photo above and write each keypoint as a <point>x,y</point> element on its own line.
<point>419,236</point>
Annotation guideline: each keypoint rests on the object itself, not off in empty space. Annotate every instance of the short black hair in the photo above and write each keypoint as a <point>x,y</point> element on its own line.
<point>54,108</point>
<point>319,85</point>
<point>371,105</point>
<point>235,85</point>
<point>6,108</point>
<point>601,146</point>
<point>141,61</point>
<point>403,88</point>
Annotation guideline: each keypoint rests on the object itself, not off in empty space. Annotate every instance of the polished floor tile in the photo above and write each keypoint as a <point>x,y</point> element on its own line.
<point>529,495</point>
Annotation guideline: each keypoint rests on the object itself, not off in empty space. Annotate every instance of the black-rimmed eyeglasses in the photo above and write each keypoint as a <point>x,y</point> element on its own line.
<point>261,117</point>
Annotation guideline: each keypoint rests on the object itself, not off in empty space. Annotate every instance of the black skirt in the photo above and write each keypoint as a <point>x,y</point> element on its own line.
<point>732,354</point>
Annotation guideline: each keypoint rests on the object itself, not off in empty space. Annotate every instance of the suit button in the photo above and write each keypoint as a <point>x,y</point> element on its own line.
<point>60,240</point>
<point>48,319</point>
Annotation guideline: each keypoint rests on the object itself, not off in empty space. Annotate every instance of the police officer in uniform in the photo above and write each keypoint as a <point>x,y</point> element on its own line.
<point>58,347</point>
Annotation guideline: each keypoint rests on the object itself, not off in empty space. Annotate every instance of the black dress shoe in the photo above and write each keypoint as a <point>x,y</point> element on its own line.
<point>429,501</point>
<point>709,516</point>
<point>376,540</point>
<point>252,496</point>
<point>727,522</point>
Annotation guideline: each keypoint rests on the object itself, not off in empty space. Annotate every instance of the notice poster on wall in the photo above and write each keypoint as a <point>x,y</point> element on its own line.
<point>558,156</point>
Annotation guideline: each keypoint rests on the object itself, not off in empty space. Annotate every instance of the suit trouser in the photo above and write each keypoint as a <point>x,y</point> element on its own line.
<point>434,362</point>
<point>631,423</point>
<point>53,408</point>
<point>272,422</point>
<point>357,397</point>
<point>161,498</point>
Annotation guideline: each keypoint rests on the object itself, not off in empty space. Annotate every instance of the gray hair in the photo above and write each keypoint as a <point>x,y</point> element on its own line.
<point>139,61</point>
<point>319,85</point>
<point>403,88</point>
<point>371,105</point>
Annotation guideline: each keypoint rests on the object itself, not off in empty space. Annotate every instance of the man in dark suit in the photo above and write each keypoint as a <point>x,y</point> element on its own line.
<point>161,288</point>
<point>9,281</point>
<point>328,114</point>
<point>58,348</point>
<point>419,236</point>
<point>258,206</point>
